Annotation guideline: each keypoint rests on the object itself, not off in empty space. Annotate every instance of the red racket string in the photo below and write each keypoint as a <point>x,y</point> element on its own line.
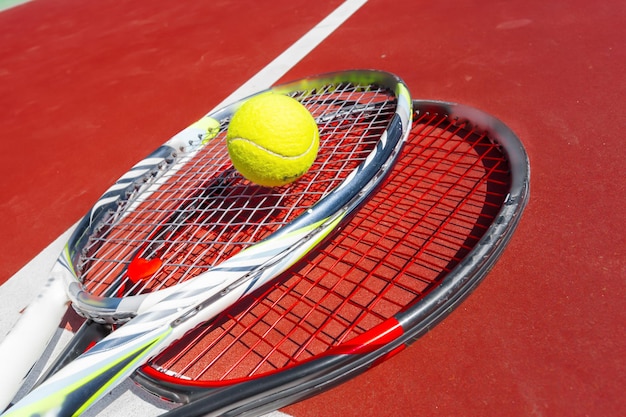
<point>444,192</point>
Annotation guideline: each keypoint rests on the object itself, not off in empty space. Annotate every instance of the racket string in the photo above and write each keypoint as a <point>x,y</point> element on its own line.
<point>448,186</point>
<point>217,213</point>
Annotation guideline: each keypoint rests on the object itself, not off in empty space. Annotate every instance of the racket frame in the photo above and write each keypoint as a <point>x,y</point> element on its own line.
<point>115,310</point>
<point>277,389</point>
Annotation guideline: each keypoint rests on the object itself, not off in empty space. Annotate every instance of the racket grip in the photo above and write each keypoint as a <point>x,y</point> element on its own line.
<point>26,342</point>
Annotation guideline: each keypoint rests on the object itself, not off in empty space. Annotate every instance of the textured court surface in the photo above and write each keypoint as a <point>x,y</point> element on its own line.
<point>89,87</point>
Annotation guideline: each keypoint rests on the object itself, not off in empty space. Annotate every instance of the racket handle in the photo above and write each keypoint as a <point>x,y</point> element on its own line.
<point>26,342</point>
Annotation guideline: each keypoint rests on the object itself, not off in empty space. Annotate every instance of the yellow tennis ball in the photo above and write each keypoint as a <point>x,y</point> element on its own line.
<point>272,139</point>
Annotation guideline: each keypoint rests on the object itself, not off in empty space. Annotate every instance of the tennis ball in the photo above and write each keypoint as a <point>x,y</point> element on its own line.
<point>211,128</point>
<point>272,139</point>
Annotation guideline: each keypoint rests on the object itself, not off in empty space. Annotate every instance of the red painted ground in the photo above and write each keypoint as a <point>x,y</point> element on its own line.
<point>89,87</point>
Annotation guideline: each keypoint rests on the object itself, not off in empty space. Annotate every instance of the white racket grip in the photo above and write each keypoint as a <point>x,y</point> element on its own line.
<point>27,341</point>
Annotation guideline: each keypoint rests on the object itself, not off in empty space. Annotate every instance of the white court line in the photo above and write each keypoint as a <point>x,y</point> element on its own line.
<point>292,55</point>
<point>22,287</point>
<point>9,4</point>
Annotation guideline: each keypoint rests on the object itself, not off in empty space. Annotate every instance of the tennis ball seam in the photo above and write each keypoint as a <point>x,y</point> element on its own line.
<point>269,151</point>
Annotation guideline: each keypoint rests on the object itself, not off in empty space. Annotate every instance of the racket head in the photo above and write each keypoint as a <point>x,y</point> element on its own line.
<point>178,234</point>
<point>408,257</point>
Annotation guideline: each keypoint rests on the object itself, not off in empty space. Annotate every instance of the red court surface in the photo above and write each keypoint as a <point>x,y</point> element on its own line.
<point>87,88</point>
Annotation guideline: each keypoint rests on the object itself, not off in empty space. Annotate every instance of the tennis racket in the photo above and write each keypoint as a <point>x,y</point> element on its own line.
<point>182,235</point>
<point>403,263</point>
